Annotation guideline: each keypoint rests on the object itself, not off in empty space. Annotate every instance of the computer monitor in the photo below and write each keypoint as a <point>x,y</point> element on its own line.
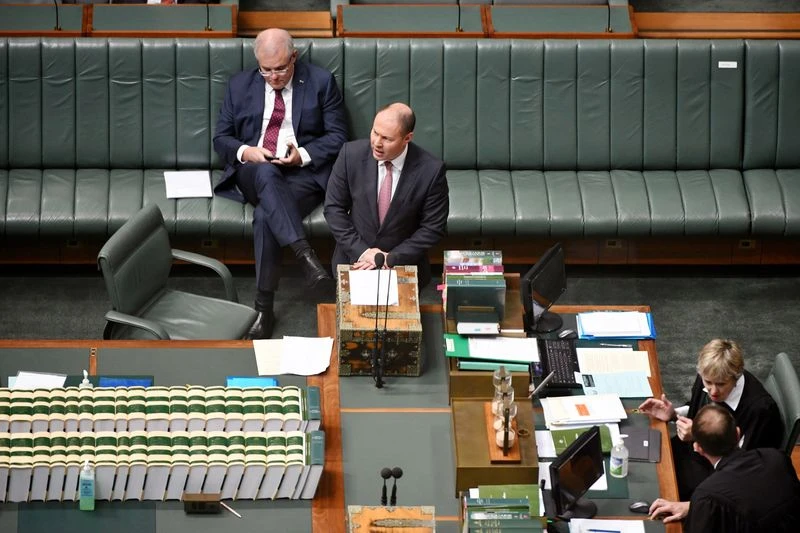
<point>540,287</point>
<point>572,474</point>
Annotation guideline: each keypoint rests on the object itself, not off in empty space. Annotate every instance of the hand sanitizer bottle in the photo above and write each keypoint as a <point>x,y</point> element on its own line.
<point>85,384</point>
<point>619,459</point>
<point>86,488</point>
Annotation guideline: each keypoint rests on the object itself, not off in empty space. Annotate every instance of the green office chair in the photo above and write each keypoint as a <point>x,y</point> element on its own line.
<point>136,263</point>
<point>784,387</point>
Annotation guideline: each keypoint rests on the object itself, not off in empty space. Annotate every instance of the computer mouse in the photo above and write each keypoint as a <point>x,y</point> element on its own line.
<point>640,507</point>
<point>567,334</point>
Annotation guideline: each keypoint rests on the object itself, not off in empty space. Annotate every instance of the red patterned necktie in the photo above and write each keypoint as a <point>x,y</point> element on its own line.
<point>274,125</point>
<point>385,194</point>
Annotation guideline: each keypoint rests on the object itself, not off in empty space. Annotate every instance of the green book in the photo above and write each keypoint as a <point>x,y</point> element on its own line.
<point>497,505</point>
<point>312,408</point>
<point>476,280</point>
<point>527,491</point>
<point>564,437</point>
<point>480,364</point>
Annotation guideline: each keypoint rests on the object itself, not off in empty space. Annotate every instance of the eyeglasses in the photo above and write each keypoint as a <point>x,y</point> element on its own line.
<point>273,71</point>
<point>280,71</point>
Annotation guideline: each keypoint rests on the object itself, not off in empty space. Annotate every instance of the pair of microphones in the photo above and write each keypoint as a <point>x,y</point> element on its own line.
<point>386,473</point>
<point>378,360</point>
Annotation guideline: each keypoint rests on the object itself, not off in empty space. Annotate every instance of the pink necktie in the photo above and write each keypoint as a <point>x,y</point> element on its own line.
<point>385,194</point>
<point>274,126</point>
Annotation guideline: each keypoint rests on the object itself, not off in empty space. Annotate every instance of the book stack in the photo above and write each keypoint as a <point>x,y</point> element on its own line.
<point>509,508</point>
<point>474,291</point>
<point>156,443</point>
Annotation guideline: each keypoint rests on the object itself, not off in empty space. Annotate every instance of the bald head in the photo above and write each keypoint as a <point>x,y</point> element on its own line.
<point>273,41</point>
<point>714,430</point>
<point>401,114</point>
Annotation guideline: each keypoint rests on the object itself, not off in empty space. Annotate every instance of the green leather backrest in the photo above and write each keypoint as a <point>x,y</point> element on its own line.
<point>772,114</point>
<point>481,104</point>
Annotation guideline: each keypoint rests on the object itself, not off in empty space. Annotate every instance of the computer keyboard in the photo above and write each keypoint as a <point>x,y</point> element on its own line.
<point>562,358</point>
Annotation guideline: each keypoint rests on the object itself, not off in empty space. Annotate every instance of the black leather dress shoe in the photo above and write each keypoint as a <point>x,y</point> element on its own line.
<point>312,268</point>
<point>262,329</point>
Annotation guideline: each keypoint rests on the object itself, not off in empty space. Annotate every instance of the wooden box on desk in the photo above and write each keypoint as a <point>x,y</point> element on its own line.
<point>478,383</point>
<point>473,465</point>
<point>355,328</point>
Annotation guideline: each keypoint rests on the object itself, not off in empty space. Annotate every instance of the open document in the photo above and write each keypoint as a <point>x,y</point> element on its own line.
<point>302,356</point>
<point>364,289</point>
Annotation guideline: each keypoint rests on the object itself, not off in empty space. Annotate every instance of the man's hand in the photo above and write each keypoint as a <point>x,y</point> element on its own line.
<point>257,154</point>
<point>292,158</point>
<point>367,259</point>
<point>658,408</point>
<point>684,427</point>
<point>668,511</point>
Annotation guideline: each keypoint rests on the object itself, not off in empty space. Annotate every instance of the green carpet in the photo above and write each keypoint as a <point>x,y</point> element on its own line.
<point>756,307</point>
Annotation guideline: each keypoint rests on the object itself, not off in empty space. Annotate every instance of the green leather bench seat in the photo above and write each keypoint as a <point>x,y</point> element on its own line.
<point>563,139</point>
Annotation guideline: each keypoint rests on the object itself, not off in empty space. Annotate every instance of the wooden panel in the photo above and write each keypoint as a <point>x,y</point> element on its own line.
<point>718,25</point>
<point>298,23</point>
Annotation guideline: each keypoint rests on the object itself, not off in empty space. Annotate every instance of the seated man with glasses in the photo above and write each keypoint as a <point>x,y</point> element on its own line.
<point>279,130</point>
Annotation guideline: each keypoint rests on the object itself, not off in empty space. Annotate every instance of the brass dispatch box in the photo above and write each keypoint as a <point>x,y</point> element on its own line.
<point>355,328</point>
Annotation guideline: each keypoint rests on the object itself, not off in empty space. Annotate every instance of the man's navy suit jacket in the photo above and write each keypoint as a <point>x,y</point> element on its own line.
<point>317,118</point>
<point>417,216</point>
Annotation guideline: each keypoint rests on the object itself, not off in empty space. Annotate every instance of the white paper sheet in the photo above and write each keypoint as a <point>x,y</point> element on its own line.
<point>594,525</point>
<point>38,380</point>
<point>614,324</point>
<point>302,356</point>
<point>364,288</point>
<point>606,360</point>
<point>188,184</point>
<point>523,350</point>
<point>625,384</point>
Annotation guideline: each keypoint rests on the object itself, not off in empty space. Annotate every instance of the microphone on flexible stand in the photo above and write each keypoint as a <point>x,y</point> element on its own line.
<point>376,374</point>
<point>386,473</point>
<point>58,23</point>
<point>382,356</point>
<point>609,29</point>
<point>397,473</point>
<point>458,24</point>
<point>208,17</point>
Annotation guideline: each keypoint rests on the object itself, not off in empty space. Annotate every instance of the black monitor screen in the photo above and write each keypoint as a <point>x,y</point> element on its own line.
<point>541,287</point>
<point>574,472</point>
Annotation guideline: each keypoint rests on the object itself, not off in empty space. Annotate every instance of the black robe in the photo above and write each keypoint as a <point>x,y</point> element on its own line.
<point>750,492</point>
<point>757,416</point>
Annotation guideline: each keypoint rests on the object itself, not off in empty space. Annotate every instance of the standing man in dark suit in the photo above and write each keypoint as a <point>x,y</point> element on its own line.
<point>387,195</point>
<point>748,492</point>
<point>279,130</point>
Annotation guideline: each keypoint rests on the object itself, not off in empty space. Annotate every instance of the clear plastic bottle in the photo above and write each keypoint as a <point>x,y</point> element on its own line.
<point>619,460</point>
<point>86,488</point>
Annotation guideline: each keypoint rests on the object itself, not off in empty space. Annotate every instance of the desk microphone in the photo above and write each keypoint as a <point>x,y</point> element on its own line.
<point>386,473</point>
<point>382,356</point>
<point>397,473</point>
<point>609,29</point>
<point>58,23</point>
<point>208,17</point>
<point>376,373</point>
<point>459,29</point>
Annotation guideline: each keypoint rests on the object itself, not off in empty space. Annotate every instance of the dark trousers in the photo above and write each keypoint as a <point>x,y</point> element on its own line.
<point>281,198</point>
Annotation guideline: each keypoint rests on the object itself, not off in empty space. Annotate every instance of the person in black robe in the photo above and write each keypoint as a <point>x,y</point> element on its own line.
<point>748,492</point>
<point>721,378</point>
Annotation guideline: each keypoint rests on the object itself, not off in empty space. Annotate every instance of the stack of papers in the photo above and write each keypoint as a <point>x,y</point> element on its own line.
<point>572,411</point>
<point>616,324</point>
<point>587,525</point>
<point>302,356</point>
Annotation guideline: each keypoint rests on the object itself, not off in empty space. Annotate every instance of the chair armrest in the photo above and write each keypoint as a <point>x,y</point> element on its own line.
<point>213,264</point>
<point>157,330</point>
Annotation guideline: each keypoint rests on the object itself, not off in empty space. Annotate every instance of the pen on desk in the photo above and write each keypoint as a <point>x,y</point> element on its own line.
<point>228,508</point>
<point>607,345</point>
